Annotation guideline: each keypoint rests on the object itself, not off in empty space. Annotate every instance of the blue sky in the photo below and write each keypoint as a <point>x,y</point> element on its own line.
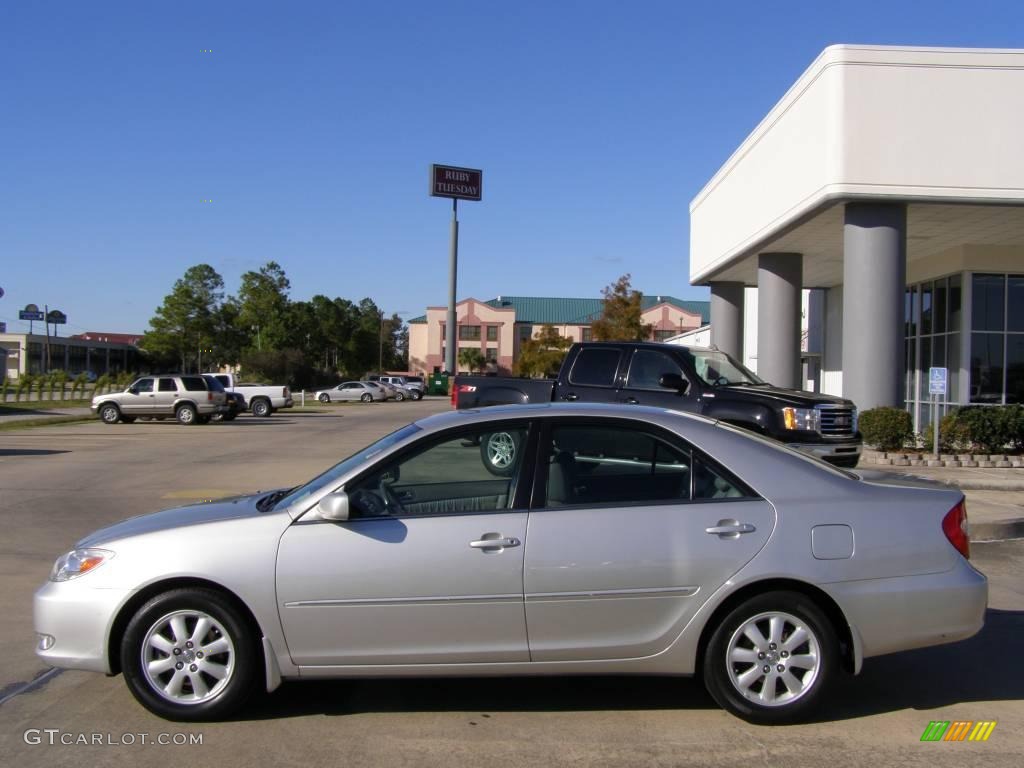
<point>311,127</point>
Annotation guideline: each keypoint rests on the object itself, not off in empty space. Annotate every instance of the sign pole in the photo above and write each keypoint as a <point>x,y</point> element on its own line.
<point>46,319</point>
<point>935,423</point>
<point>453,260</point>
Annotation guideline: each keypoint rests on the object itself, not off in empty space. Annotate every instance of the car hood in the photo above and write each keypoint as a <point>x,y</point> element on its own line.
<point>235,508</point>
<point>795,398</point>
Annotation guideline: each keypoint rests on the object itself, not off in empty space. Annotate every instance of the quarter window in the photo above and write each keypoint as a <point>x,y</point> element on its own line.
<point>194,383</point>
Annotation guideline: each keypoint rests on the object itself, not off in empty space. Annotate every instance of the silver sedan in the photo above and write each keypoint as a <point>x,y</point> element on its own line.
<point>351,390</point>
<point>525,540</point>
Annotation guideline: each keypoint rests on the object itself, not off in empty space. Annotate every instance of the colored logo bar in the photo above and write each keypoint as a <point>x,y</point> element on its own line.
<point>958,730</point>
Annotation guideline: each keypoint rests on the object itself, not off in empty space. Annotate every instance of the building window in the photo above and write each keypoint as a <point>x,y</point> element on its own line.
<point>525,333</point>
<point>491,353</point>
<point>997,339</point>
<point>587,334</point>
<point>932,317</point>
<point>469,333</point>
<point>492,333</point>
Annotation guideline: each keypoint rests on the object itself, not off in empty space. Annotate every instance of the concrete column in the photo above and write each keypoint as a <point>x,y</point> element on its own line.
<point>874,279</point>
<point>727,318</point>
<point>779,284</point>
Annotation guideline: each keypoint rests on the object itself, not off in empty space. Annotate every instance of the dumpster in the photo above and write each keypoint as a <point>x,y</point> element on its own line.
<point>437,384</point>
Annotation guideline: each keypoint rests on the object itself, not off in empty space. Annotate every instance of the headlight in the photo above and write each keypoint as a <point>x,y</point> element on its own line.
<point>78,562</point>
<point>801,418</point>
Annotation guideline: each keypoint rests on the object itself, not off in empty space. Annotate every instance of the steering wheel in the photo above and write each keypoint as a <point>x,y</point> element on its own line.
<point>370,504</point>
<point>390,500</point>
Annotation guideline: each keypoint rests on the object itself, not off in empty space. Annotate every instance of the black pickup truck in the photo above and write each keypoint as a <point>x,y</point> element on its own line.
<point>705,381</point>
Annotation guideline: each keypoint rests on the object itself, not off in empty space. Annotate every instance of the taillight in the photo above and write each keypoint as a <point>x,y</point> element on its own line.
<point>954,525</point>
<point>209,395</point>
<point>457,389</point>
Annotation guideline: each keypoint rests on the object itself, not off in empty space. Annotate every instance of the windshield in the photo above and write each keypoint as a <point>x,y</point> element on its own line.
<point>717,369</point>
<point>332,475</point>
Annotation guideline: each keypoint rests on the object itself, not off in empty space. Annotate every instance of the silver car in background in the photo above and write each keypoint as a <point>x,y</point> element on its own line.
<point>607,540</point>
<point>351,390</point>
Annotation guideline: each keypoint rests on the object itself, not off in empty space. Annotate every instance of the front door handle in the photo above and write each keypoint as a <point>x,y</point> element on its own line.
<point>571,396</point>
<point>632,401</point>
<point>730,529</point>
<point>495,543</point>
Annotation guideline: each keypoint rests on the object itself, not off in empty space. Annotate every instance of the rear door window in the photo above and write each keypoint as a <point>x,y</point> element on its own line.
<point>596,367</point>
<point>168,385</point>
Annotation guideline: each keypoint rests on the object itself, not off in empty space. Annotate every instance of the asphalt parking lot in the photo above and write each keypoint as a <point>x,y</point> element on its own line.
<point>58,483</point>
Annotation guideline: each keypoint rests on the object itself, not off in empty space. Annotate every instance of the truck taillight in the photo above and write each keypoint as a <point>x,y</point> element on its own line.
<point>209,395</point>
<point>457,389</point>
<point>954,525</point>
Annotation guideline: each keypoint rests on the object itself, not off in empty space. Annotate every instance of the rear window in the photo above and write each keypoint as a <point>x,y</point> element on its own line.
<point>595,367</point>
<point>194,383</point>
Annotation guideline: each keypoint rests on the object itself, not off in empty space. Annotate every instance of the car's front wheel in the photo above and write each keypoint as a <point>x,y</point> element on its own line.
<point>324,398</point>
<point>110,413</point>
<point>772,658</point>
<point>189,654</point>
<point>367,397</point>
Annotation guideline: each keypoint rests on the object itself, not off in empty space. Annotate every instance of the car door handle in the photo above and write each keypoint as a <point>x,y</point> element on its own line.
<point>571,396</point>
<point>508,541</point>
<point>730,528</point>
<point>632,401</point>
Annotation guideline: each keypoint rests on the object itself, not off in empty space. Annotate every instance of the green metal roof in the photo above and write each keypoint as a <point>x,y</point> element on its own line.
<point>539,310</point>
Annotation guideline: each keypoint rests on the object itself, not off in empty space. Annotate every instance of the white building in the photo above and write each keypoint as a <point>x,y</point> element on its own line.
<point>892,179</point>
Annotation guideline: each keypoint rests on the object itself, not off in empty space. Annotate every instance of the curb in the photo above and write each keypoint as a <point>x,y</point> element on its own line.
<point>995,531</point>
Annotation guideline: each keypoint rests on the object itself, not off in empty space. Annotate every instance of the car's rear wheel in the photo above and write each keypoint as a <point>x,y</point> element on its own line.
<point>498,451</point>
<point>110,413</point>
<point>772,658</point>
<point>367,397</point>
<point>189,654</point>
<point>186,414</point>
<point>261,407</point>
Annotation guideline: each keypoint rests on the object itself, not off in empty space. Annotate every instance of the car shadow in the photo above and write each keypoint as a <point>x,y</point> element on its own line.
<point>29,452</point>
<point>983,668</point>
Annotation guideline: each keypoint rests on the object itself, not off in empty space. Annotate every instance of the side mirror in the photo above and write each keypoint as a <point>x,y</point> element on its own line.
<point>334,506</point>
<point>674,381</point>
<point>133,391</point>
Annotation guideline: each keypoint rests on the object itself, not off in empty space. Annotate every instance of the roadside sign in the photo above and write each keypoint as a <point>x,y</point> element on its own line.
<point>57,317</point>
<point>458,183</point>
<point>937,380</point>
<point>25,314</point>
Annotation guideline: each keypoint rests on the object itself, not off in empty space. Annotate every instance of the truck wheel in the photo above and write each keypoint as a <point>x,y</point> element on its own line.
<point>261,407</point>
<point>499,451</point>
<point>110,413</point>
<point>186,414</point>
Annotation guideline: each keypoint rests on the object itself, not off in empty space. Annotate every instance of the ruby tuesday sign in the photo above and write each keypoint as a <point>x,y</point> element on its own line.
<point>460,183</point>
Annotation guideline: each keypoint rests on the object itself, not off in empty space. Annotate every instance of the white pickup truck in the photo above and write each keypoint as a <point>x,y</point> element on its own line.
<point>260,399</point>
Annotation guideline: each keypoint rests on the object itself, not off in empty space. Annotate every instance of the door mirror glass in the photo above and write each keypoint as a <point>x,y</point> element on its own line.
<point>334,506</point>
<point>674,381</point>
<point>132,390</point>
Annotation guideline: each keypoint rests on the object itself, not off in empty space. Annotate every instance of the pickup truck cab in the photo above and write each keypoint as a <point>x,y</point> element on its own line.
<point>260,399</point>
<point>695,379</point>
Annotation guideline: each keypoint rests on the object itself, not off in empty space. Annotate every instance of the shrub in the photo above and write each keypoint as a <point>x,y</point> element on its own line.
<point>886,428</point>
<point>954,434</point>
<point>987,427</point>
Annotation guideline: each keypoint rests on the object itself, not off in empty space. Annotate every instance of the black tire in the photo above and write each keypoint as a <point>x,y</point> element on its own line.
<point>324,398</point>
<point>229,416</point>
<point>109,413</point>
<point>416,395</point>
<point>186,414</point>
<point>261,407</point>
<point>780,661</point>
<point>499,452</point>
<point>226,621</point>
<point>399,396</point>
<point>367,397</point>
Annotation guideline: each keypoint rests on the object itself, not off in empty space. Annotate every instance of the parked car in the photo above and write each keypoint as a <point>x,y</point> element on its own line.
<point>261,399</point>
<point>188,398</point>
<point>415,388</point>
<point>235,400</point>
<point>624,540</point>
<point>351,390</point>
<point>695,379</point>
<point>393,391</point>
